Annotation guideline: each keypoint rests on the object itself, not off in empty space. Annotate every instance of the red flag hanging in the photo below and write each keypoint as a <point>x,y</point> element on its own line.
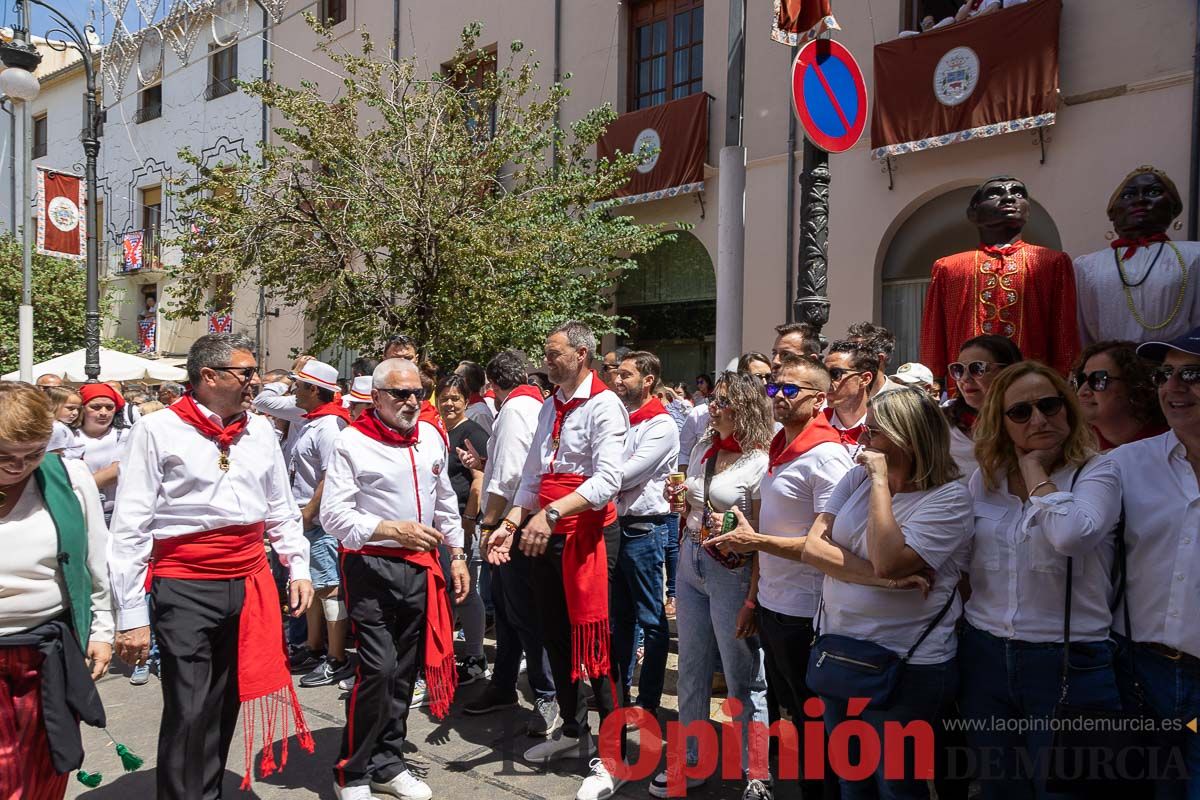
<point>61,227</point>
<point>797,21</point>
<point>220,323</point>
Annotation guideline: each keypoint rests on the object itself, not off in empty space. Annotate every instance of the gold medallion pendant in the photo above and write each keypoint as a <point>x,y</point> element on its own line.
<point>223,461</point>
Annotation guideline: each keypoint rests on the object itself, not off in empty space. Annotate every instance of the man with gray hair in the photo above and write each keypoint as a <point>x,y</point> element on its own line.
<point>565,520</point>
<point>199,489</point>
<point>389,501</point>
<point>169,392</point>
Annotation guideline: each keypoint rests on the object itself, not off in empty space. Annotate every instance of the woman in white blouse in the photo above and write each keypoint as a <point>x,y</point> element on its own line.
<point>898,519</point>
<point>1043,505</point>
<point>101,439</point>
<point>715,619</point>
<point>38,594</point>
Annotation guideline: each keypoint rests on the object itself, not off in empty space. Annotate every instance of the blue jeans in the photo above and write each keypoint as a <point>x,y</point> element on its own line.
<point>1172,691</point>
<point>518,630</point>
<point>1012,679</point>
<point>670,543</point>
<point>708,603</point>
<point>923,692</point>
<point>637,601</point>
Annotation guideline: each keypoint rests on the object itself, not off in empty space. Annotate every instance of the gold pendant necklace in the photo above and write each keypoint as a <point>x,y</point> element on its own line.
<point>223,461</point>
<point>1183,284</point>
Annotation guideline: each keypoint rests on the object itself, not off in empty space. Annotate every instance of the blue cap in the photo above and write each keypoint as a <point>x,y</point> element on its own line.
<point>1157,351</point>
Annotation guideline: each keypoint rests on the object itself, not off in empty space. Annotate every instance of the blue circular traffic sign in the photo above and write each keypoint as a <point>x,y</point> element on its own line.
<point>829,95</point>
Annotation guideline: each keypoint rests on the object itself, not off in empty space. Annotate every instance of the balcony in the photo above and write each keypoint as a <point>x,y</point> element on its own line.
<point>139,257</point>
<point>666,171</point>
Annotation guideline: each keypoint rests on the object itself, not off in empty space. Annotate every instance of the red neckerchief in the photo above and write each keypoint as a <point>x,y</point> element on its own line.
<point>647,412</point>
<point>718,444</point>
<point>369,425</point>
<point>819,431</point>
<point>333,408</point>
<point>1134,242</point>
<point>475,397</point>
<point>190,413</point>
<point>561,409</point>
<point>1001,251</point>
<point>429,414</point>
<point>525,390</point>
<point>848,436</point>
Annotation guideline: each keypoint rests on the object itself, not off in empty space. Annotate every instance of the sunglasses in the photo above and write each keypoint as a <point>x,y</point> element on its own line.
<point>958,370</point>
<point>246,374</point>
<point>719,403</point>
<point>788,390</point>
<point>402,395</point>
<point>1096,380</point>
<point>869,432</point>
<point>837,373</point>
<point>1189,375</point>
<point>1021,413</point>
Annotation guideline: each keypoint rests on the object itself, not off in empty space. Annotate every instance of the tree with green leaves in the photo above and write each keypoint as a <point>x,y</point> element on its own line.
<point>448,206</point>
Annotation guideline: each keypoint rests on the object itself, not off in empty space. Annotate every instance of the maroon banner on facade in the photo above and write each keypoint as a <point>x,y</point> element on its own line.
<point>678,130</point>
<point>798,21</point>
<point>61,229</point>
<point>985,76</point>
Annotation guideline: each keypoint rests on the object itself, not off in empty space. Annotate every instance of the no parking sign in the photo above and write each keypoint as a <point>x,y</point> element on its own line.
<point>829,95</point>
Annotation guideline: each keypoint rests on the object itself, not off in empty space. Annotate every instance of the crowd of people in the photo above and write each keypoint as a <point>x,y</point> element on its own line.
<point>816,528</point>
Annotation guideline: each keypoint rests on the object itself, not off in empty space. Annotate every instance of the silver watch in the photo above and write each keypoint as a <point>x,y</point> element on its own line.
<point>553,515</point>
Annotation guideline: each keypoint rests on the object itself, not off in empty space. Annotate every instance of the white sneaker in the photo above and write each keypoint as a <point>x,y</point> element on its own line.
<point>560,746</point>
<point>405,786</point>
<point>353,792</point>
<point>600,784</point>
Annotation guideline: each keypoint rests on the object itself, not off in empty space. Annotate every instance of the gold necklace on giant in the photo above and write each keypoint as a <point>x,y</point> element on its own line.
<point>1128,287</point>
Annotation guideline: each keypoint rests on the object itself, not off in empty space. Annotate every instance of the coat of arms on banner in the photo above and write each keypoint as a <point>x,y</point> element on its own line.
<point>956,76</point>
<point>132,246</point>
<point>61,226</point>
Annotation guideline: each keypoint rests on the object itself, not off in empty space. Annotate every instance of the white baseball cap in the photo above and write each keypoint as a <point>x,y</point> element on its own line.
<point>912,374</point>
<point>320,374</point>
<point>360,390</point>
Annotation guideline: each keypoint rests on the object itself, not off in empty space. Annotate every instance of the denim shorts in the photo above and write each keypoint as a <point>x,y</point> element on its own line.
<point>322,558</point>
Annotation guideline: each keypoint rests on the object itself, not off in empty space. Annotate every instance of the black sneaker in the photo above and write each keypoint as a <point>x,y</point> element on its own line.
<point>327,673</point>
<point>491,700</point>
<point>303,660</point>
<point>471,669</point>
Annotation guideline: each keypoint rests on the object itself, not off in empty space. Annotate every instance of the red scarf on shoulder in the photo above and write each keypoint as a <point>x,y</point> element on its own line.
<point>333,408</point>
<point>429,414</point>
<point>819,431</point>
<point>647,412</point>
<point>223,437</point>
<point>719,444</point>
<point>525,390</point>
<point>848,436</point>
<point>1133,243</point>
<point>441,673</point>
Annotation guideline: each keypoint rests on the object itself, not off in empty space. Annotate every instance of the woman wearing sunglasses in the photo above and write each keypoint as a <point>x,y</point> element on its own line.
<point>1041,499</point>
<point>1116,394</point>
<point>714,620</point>
<point>979,360</point>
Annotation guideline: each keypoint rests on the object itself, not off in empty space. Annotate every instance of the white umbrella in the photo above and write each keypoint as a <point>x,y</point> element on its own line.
<point>114,366</point>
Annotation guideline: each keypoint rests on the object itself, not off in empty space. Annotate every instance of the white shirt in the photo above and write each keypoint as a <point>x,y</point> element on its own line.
<point>962,451</point>
<point>1104,306</point>
<point>1018,563</point>
<point>62,440</point>
<point>102,452</point>
<point>171,485</point>
<point>651,450</point>
<point>310,456</point>
<point>729,485</point>
<point>368,482</point>
<point>1162,526</point>
<point>32,591</point>
<point>592,443</point>
<point>274,401</point>
<point>792,498</point>
<point>693,431</point>
<point>938,525</point>
<point>482,415</point>
<point>509,446</point>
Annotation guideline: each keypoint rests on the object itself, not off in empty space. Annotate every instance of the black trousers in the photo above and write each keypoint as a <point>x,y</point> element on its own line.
<point>786,642</point>
<point>547,575</point>
<point>385,598</point>
<point>196,624</point>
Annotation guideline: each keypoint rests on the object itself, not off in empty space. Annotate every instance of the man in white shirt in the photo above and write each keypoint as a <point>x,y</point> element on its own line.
<point>275,399</point>
<point>852,372</point>
<point>201,483</point>
<point>389,500</point>
<point>324,418</point>
<point>570,479</point>
<point>651,450</point>
<point>517,627</point>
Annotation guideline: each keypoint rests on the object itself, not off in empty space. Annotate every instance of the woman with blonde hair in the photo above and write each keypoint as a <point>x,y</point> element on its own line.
<point>715,624</point>
<point>1042,496</point>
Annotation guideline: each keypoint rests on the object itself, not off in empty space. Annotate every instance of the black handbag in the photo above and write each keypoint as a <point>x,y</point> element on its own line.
<point>845,667</point>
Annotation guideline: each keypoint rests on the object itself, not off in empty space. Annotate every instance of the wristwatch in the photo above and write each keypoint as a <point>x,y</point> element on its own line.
<point>553,515</point>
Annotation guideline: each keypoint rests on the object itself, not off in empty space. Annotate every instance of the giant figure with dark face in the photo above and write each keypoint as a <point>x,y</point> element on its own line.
<point>1005,287</point>
<point>1143,286</point>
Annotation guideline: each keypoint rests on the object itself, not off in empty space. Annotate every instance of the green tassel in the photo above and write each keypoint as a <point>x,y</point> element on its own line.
<point>89,779</point>
<point>129,759</point>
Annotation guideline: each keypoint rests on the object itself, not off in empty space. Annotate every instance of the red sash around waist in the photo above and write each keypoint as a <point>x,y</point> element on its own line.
<point>264,680</point>
<point>441,672</point>
<point>585,574</point>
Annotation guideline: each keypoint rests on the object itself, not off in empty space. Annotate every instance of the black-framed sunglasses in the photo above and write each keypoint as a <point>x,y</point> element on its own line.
<point>837,373</point>
<point>719,403</point>
<point>788,390</point>
<point>1096,380</point>
<point>1188,375</point>
<point>1022,412</point>
<point>977,369</point>
<point>247,373</point>
<point>402,395</point>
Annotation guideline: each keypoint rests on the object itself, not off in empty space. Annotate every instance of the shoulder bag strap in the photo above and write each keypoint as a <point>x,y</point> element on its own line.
<point>710,469</point>
<point>1066,657</point>
<point>929,628</point>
